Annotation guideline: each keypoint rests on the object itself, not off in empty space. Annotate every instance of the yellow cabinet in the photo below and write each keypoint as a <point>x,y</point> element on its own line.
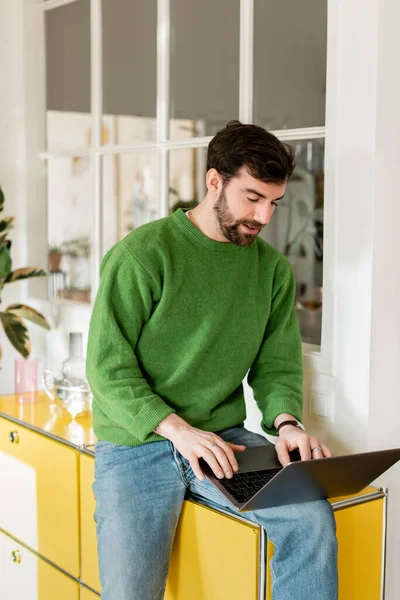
<point>89,564</point>
<point>88,594</point>
<point>47,504</point>
<point>360,532</point>
<point>25,576</point>
<point>360,538</point>
<point>213,556</point>
<point>39,501</point>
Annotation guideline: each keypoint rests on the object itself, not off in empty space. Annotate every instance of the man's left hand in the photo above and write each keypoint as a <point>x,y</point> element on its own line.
<point>293,438</point>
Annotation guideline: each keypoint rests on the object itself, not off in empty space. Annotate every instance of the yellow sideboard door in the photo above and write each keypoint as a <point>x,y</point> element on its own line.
<point>88,594</point>
<point>359,531</point>
<point>90,571</point>
<point>24,576</point>
<point>39,494</point>
<point>213,556</point>
<point>360,537</point>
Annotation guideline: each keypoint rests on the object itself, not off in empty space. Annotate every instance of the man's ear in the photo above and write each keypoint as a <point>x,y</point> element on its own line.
<point>213,182</point>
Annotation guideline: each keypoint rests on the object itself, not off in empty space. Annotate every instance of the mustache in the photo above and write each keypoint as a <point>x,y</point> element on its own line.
<point>255,224</point>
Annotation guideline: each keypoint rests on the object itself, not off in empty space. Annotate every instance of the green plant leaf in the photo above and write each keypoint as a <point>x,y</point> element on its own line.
<point>6,224</point>
<point>17,333</point>
<point>5,262</point>
<point>1,199</point>
<point>26,312</point>
<point>25,273</point>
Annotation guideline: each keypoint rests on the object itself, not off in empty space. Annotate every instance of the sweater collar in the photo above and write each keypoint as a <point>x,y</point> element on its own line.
<point>185,223</point>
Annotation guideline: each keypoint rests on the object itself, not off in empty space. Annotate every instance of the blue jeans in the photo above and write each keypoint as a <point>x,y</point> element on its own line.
<point>139,493</point>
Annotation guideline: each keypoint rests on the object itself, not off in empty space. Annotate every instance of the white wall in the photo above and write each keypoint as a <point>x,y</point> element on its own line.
<point>384,408</point>
<point>12,152</point>
<point>364,111</point>
<point>22,176</point>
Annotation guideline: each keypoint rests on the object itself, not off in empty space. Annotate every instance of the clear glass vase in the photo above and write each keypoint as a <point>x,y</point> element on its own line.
<point>72,388</point>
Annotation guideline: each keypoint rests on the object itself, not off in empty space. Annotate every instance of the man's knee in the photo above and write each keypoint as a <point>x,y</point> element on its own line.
<point>317,515</point>
<point>319,526</point>
<point>312,521</point>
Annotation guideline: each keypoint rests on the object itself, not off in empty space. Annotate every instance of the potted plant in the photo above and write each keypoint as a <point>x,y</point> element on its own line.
<point>78,251</point>
<point>12,318</point>
<point>55,256</point>
<point>78,247</point>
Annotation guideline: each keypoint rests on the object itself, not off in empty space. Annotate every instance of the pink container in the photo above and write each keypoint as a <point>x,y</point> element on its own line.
<point>27,379</point>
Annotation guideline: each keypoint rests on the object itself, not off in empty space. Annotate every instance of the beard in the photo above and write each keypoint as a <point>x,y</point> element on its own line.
<point>229,227</point>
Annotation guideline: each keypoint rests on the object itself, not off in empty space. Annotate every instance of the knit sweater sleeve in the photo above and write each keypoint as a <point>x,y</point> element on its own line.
<point>123,305</point>
<point>276,375</point>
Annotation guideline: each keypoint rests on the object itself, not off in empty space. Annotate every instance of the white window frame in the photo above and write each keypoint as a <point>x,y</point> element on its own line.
<point>319,359</point>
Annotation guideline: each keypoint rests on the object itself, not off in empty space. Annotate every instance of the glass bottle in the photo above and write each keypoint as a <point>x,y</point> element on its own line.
<point>74,389</point>
<point>74,367</point>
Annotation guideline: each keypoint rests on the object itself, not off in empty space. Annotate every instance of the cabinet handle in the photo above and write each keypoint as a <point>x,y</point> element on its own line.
<point>14,437</point>
<point>16,556</point>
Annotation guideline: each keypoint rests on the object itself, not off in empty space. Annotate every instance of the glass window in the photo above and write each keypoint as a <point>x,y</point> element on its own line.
<point>204,66</point>
<point>289,63</point>
<point>130,192</point>
<point>67,40</point>
<point>296,229</point>
<point>69,201</point>
<point>289,92</point>
<point>187,178</point>
<point>130,66</point>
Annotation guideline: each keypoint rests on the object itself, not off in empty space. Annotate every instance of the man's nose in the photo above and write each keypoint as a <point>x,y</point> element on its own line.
<point>264,214</point>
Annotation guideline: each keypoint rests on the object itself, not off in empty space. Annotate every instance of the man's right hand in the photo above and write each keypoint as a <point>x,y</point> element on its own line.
<point>195,443</point>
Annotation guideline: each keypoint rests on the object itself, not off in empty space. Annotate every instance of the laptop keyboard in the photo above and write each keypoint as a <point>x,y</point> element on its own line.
<point>243,486</point>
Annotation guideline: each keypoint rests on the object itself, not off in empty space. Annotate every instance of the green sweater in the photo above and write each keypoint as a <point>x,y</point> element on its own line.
<point>179,320</point>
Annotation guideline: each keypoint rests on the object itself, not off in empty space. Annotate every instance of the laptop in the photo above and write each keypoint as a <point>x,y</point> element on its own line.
<point>262,482</point>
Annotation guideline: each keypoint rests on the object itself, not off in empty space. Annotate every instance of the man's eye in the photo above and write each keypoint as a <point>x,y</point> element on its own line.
<point>275,203</point>
<point>252,199</point>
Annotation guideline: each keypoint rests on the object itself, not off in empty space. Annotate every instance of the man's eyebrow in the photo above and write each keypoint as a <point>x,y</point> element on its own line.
<point>253,191</point>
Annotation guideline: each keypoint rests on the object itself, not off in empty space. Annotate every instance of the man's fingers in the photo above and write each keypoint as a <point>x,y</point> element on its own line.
<point>326,452</point>
<point>305,449</point>
<point>223,460</point>
<point>227,448</point>
<point>282,453</point>
<point>210,458</point>
<point>194,463</point>
<point>320,450</point>
<point>220,457</point>
<point>239,447</point>
<point>317,453</point>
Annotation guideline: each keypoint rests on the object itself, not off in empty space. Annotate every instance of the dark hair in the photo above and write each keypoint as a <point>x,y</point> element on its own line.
<point>238,145</point>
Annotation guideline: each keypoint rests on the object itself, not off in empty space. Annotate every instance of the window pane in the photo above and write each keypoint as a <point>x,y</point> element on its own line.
<point>187,178</point>
<point>296,230</point>
<point>289,63</point>
<point>204,67</point>
<point>130,65</point>
<point>67,37</point>
<point>69,199</point>
<point>130,193</point>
